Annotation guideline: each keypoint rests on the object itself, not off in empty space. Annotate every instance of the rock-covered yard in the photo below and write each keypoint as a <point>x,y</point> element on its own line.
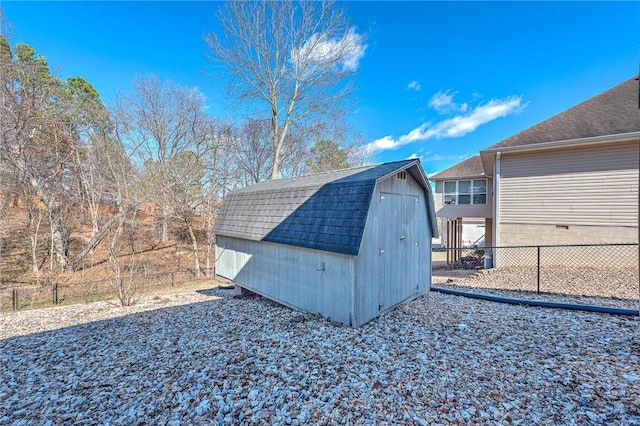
<point>207,358</point>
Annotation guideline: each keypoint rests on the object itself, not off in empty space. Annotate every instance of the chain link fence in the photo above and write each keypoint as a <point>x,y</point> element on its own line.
<point>591,270</point>
<point>15,298</point>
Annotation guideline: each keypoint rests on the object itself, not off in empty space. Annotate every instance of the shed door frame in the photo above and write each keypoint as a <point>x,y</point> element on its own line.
<point>399,248</point>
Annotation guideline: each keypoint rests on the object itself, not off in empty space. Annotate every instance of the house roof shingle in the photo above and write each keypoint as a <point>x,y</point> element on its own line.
<point>470,167</point>
<point>612,112</point>
<point>325,211</point>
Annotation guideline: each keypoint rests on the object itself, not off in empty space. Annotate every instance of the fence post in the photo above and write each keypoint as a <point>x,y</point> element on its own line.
<point>538,269</point>
<point>14,299</point>
<point>55,294</point>
<point>173,279</point>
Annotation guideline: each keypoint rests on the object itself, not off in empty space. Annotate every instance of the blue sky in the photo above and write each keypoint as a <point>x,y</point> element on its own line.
<point>438,80</point>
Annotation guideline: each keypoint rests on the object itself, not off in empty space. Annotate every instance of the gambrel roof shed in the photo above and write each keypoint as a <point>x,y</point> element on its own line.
<point>324,211</point>
<point>348,244</point>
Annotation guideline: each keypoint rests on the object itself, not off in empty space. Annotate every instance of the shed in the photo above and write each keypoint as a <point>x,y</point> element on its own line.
<point>348,244</point>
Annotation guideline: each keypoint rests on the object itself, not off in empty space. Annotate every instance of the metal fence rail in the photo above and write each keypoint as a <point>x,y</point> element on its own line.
<point>39,296</point>
<point>597,270</point>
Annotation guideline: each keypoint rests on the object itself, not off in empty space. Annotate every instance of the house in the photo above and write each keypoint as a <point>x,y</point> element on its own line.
<point>463,204</point>
<point>570,179</point>
<point>348,245</point>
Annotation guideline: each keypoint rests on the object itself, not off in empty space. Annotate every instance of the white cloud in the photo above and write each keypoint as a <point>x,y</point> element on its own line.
<point>321,50</point>
<point>438,157</point>
<point>456,126</point>
<point>412,156</point>
<point>356,46</point>
<point>443,103</point>
<point>414,85</point>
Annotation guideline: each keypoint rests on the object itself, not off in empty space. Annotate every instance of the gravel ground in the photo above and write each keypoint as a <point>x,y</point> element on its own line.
<point>207,358</point>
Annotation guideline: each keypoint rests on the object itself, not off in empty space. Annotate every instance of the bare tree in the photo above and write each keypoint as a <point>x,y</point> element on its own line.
<point>253,150</point>
<point>91,127</point>
<point>166,127</point>
<point>35,214</point>
<point>109,179</point>
<point>295,59</point>
<point>157,122</point>
<point>222,174</point>
<point>128,275</point>
<point>297,149</point>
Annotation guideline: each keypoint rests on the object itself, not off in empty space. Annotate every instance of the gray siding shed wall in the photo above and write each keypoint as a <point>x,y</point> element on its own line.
<point>290,275</point>
<point>403,270</point>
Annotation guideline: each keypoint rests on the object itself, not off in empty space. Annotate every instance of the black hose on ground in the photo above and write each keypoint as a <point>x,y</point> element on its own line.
<point>539,303</point>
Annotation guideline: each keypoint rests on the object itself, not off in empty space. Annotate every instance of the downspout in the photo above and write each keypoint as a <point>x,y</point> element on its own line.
<point>496,209</point>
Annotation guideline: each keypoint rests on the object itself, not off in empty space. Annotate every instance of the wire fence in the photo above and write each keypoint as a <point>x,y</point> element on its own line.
<point>15,298</point>
<point>592,270</point>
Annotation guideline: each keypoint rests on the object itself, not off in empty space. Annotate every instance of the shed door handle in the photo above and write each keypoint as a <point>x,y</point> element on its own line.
<point>403,238</point>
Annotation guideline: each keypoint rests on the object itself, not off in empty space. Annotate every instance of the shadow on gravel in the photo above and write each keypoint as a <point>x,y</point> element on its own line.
<point>112,370</point>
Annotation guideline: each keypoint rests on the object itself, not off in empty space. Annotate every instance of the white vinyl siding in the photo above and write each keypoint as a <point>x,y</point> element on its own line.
<point>586,186</point>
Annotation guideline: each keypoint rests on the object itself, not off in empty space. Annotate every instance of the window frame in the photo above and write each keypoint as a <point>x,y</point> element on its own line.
<point>471,194</point>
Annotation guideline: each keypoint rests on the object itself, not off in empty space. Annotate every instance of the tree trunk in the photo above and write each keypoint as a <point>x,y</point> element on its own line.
<point>59,241</point>
<point>59,235</point>
<point>194,243</point>
<point>277,141</point>
<point>35,219</point>
<point>208,236</point>
<point>95,214</point>
<point>34,255</point>
<point>275,168</point>
<point>164,233</point>
<point>208,257</point>
<point>117,218</point>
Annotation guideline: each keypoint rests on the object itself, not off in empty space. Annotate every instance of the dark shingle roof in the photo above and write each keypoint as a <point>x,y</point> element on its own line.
<point>612,112</point>
<point>470,167</point>
<point>325,211</point>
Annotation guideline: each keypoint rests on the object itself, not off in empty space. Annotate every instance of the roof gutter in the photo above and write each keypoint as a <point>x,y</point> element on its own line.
<point>456,177</point>
<point>622,137</point>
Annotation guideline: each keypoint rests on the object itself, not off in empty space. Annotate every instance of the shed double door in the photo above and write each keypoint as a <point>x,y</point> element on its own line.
<point>398,238</point>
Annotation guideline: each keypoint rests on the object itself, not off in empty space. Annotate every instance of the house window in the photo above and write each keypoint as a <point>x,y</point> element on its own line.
<point>480,191</point>
<point>450,192</point>
<point>465,192</point>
